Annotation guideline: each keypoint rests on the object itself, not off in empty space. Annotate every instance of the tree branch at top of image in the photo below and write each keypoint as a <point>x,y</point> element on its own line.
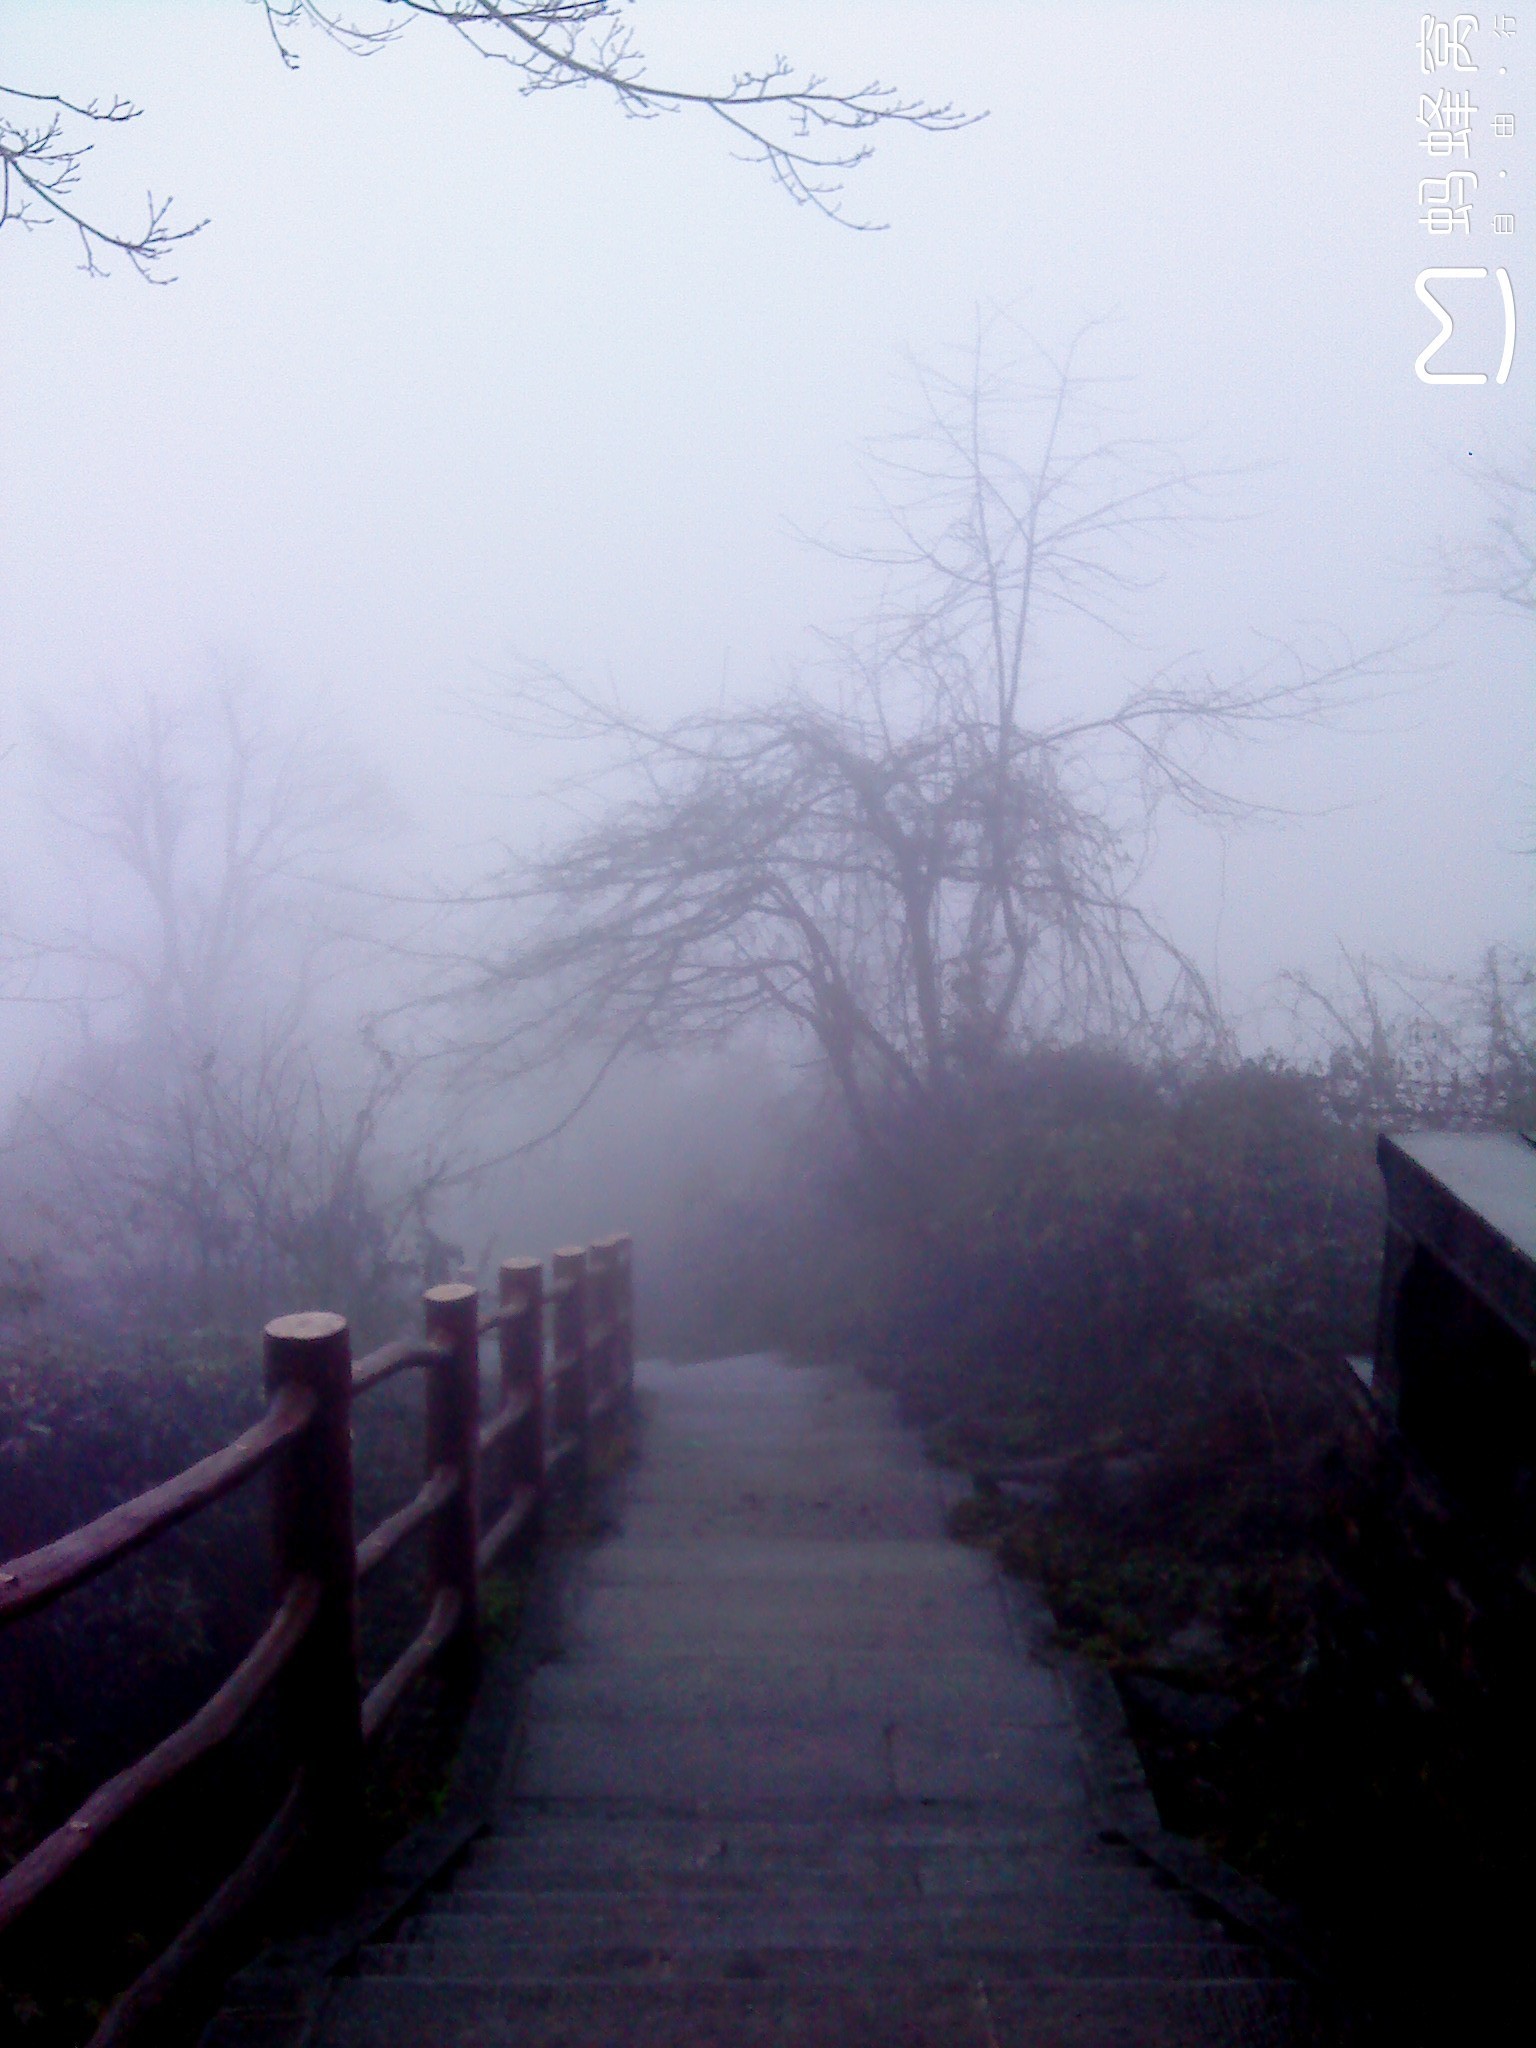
<point>42,154</point>
<point>809,135</point>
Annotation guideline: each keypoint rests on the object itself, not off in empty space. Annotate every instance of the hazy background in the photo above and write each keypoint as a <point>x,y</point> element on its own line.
<point>456,377</point>
<point>459,380</point>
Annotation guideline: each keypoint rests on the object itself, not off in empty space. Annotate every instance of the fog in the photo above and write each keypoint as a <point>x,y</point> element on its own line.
<point>458,379</point>
<point>946,758</point>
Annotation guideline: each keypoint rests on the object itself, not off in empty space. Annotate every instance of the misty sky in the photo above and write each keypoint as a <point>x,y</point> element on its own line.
<point>456,377</point>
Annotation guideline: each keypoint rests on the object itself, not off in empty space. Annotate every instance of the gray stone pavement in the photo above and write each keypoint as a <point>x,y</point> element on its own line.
<point>799,1777</point>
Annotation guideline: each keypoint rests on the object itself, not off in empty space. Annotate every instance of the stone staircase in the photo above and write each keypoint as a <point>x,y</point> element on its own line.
<point>875,1928</point>
<point>800,1777</point>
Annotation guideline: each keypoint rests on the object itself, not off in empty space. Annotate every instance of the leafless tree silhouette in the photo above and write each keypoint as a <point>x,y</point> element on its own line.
<point>213,1141</point>
<point>912,859</point>
<point>1502,564</point>
<point>212,823</point>
<point>1400,1045</point>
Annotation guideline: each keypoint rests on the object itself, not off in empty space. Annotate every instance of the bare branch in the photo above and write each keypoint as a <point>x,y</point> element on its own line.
<point>795,125</point>
<point>806,134</point>
<point>1502,564</point>
<point>40,164</point>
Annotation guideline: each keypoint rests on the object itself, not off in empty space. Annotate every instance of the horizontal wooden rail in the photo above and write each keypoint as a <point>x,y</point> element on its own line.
<point>442,1620</point>
<point>214,1722</point>
<point>402,1354</point>
<point>511,1311</point>
<point>514,1516</point>
<point>486,1484</point>
<point>381,1542</point>
<point>512,1416</point>
<point>32,1581</point>
<point>564,1447</point>
<point>134,2020</point>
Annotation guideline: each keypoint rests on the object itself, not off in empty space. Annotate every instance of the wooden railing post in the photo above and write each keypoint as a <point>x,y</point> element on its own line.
<point>618,1313</point>
<point>522,1368</point>
<point>624,1281</point>
<point>599,1334</point>
<point>572,1391</point>
<point>453,1440</point>
<point>627,1291</point>
<point>314,1537</point>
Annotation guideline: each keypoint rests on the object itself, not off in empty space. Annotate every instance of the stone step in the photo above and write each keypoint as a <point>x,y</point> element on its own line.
<point>768,1617</point>
<point>1008,1891</point>
<point>1016,1774</point>
<point>1012,1894</point>
<point>782,1922</point>
<point>727,1864</point>
<point>838,1757</point>
<point>726,1504</point>
<point>952,2009</point>
<point>958,1691</point>
<point>1030,1888</point>
<point>876,1562</point>
<point>775,1955</point>
<point>809,1825</point>
<point>893,1874</point>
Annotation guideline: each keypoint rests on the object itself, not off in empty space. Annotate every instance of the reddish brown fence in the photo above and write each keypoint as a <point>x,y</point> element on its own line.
<point>565,1365</point>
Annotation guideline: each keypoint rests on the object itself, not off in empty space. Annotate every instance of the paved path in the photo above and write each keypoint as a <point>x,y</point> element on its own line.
<point>798,1780</point>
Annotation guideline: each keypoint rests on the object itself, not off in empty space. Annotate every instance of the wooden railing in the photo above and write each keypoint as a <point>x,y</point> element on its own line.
<point>565,1366</point>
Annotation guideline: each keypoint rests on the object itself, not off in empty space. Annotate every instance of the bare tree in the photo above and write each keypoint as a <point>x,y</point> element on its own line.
<point>808,135</point>
<point>211,1193</point>
<point>926,857</point>
<point>209,826</point>
<point>211,1147</point>
<point>1502,564</point>
<point>1399,1045</point>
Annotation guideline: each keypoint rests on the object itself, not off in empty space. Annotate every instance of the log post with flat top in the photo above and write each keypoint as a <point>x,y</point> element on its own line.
<point>618,1313</point>
<point>453,1442</point>
<point>522,1367</point>
<point>600,1379</point>
<point>626,1282</point>
<point>314,1538</point>
<point>572,1419</point>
